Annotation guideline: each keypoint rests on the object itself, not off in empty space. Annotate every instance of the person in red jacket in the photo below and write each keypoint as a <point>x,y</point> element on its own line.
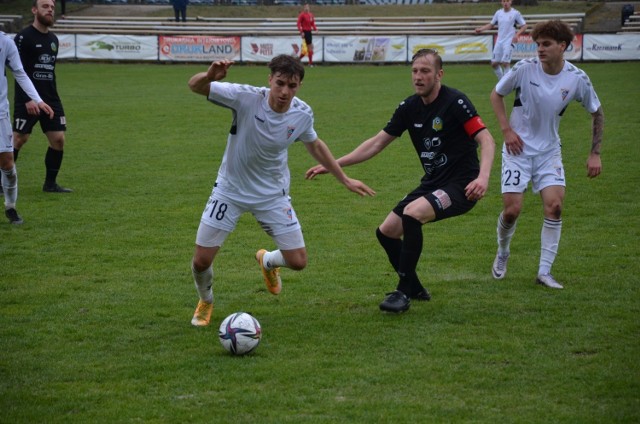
<point>306,24</point>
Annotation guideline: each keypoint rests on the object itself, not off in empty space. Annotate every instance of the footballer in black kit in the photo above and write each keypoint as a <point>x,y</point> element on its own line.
<point>38,48</point>
<point>446,131</point>
<point>443,134</point>
<point>38,53</point>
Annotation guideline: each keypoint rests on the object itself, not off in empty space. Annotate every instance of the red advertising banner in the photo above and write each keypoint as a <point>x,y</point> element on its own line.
<point>196,48</point>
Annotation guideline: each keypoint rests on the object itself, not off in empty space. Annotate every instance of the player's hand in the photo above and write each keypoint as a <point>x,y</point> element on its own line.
<point>42,106</point>
<point>513,142</point>
<point>313,172</point>
<point>359,187</point>
<point>594,165</point>
<point>218,69</point>
<point>32,108</point>
<point>476,189</point>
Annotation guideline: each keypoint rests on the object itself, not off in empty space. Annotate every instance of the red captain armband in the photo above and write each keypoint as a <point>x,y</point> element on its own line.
<point>473,126</point>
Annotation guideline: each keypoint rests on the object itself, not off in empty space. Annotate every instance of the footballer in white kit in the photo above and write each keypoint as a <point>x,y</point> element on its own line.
<point>254,174</point>
<point>544,87</point>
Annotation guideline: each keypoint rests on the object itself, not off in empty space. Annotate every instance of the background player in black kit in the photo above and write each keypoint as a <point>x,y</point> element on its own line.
<point>445,130</point>
<point>38,48</point>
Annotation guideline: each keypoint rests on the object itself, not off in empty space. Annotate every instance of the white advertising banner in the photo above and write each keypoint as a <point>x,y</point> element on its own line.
<point>611,47</point>
<point>67,46</point>
<point>197,48</point>
<point>365,49</point>
<point>263,49</point>
<point>526,48</point>
<point>117,47</point>
<point>455,48</point>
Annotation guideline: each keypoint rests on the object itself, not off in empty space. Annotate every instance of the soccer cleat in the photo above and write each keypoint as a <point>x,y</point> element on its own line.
<point>499,268</point>
<point>549,281</point>
<point>202,315</point>
<point>422,295</point>
<point>13,217</point>
<point>272,276</point>
<point>395,302</point>
<point>55,188</point>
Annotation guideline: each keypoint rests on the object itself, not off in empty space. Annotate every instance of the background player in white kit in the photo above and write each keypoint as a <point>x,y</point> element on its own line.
<point>10,58</point>
<point>506,20</point>
<point>254,174</point>
<point>544,88</point>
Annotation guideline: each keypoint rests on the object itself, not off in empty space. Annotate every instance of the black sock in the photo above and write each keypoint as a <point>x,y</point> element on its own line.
<point>52,162</point>
<point>392,247</point>
<point>409,256</point>
<point>15,154</point>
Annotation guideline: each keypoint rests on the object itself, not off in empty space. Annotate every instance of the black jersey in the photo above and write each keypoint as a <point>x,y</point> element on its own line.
<point>38,53</point>
<point>442,133</point>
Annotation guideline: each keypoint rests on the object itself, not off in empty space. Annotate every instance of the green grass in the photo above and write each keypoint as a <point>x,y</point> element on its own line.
<point>96,293</point>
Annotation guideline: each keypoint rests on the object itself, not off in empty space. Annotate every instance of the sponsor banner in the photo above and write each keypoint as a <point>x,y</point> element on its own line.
<point>263,49</point>
<point>454,48</point>
<point>195,48</point>
<point>67,44</point>
<point>611,47</point>
<point>116,47</point>
<point>526,48</point>
<point>365,49</point>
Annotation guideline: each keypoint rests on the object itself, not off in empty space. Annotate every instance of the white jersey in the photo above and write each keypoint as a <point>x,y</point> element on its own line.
<point>255,161</point>
<point>506,23</point>
<point>541,99</point>
<point>10,57</point>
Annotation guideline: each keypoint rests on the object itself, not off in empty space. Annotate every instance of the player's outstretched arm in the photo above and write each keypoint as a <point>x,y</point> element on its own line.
<point>199,83</point>
<point>320,152</point>
<point>366,150</point>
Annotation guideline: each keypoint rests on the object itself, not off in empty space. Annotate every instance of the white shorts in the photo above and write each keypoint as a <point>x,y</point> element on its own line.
<point>6,134</point>
<point>502,52</point>
<point>542,171</point>
<point>276,217</point>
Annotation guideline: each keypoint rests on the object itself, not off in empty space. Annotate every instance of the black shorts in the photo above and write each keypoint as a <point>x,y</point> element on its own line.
<point>308,38</point>
<point>23,123</point>
<point>447,201</point>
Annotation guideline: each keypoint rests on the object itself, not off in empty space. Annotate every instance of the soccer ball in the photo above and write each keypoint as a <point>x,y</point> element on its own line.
<point>240,333</point>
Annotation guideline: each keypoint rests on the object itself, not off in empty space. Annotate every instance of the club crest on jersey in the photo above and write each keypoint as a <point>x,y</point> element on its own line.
<point>436,124</point>
<point>54,48</point>
<point>564,93</point>
<point>290,131</point>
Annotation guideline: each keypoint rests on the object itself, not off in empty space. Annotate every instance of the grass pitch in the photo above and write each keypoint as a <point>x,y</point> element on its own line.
<point>96,293</point>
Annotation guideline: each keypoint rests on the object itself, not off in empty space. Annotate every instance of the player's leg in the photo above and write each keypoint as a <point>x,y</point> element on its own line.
<point>310,50</point>
<point>279,220</point>
<point>208,243</point>
<point>389,235</point>
<point>23,124</point>
<point>8,174</point>
<point>218,220</point>
<point>53,162</point>
<point>516,174</point>
<point>549,181</point>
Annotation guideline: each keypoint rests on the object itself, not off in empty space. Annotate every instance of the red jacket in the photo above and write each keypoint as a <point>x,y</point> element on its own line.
<point>306,22</point>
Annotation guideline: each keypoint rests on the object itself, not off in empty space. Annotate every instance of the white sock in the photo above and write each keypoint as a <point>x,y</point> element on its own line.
<point>204,283</point>
<point>550,239</point>
<point>274,260</point>
<point>10,187</point>
<point>505,233</point>
<point>498,71</point>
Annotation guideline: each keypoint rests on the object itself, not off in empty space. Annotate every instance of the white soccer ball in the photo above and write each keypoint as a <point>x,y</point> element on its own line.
<point>240,333</point>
